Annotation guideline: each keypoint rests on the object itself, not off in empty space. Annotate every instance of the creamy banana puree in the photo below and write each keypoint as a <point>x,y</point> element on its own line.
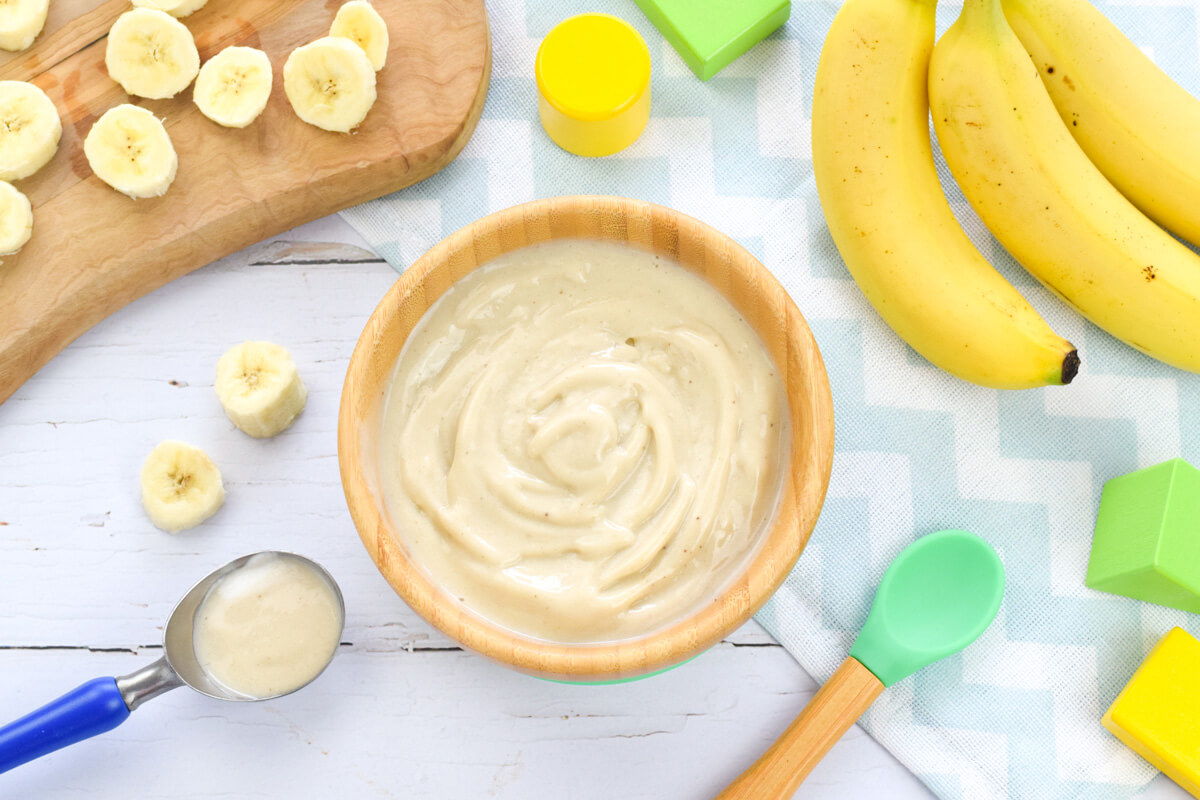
<point>269,627</point>
<point>582,441</point>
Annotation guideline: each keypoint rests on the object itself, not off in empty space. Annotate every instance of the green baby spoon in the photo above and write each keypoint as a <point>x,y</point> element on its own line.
<point>938,595</point>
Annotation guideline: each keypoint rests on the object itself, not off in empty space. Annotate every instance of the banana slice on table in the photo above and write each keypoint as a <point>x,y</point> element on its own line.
<point>21,21</point>
<point>181,486</point>
<point>359,22</point>
<point>129,149</point>
<point>16,219</point>
<point>29,129</point>
<point>330,83</point>
<point>176,8</point>
<point>151,54</point>
<point>233,86</point>
<point>260,388</point>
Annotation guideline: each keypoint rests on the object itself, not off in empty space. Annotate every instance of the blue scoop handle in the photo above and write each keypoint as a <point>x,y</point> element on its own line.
<point>93,708</point>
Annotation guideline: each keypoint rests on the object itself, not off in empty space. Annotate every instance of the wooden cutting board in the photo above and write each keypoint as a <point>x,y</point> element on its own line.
<point>94,250</point>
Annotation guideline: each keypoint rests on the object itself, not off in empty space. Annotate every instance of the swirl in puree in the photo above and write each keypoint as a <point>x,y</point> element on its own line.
<point>582,442</point>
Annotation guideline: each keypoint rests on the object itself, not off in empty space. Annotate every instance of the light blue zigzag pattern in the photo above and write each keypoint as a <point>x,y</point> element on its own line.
<point>827,597</point>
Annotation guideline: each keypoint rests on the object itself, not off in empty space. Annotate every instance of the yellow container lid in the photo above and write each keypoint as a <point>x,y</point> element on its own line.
<point>593,77</point>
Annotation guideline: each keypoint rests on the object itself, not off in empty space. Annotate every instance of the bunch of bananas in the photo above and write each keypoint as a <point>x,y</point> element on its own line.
<point>1070,144</point>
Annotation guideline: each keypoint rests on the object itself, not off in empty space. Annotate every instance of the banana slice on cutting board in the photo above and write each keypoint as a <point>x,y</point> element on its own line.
<point>151,54</point>
<point>176,8</point>
<point>29,129</point>
<point>260,388</point>
<point>16,219</point>
<point>181,486</point>
<point>21,21</point>
<point>233,86</point>
<point>129,149</point>
<point>330,83</point>
<point>359,22</point>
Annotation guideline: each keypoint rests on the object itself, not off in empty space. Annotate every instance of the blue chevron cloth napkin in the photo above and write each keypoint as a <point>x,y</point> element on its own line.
<point>1018,713</point>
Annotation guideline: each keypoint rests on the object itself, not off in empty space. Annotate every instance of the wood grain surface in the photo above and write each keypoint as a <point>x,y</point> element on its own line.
<point>94,250</point>
<point>751,289</point>
<point>832,711</point>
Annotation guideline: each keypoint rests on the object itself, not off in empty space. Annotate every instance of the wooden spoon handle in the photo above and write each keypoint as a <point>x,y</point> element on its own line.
<point>830,713</point>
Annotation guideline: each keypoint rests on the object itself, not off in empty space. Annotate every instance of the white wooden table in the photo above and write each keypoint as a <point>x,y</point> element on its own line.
<point>86,583</point>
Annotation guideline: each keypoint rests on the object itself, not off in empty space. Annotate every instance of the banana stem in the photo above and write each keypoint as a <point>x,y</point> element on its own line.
<point>983,14</point>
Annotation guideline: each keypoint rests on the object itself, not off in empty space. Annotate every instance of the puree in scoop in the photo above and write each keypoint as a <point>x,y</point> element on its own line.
<point>582,442</point>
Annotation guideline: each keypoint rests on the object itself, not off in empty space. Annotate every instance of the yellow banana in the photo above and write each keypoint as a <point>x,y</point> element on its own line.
<point>888,215</point>
<point>1047,203</point>
<point>1137,125</point>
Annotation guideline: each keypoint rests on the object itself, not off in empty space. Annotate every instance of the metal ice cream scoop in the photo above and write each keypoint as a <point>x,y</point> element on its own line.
<point>104,703</point>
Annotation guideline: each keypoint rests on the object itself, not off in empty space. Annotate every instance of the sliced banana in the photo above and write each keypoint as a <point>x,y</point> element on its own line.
<point>16,219</point>
<point>176,8</point>
<point>260,388</point>
<point>29,129</point>
<point>233,86</point>
<point>330,83</point>
<point>21,21</point>
<point>151,54</point>
<point>359,22</point>
<point>181,486</point>
<point>129,149</point>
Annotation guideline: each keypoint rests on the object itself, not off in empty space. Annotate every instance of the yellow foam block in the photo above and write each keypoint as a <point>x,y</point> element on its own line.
<point>1158,713</point>
<point>593,78</point>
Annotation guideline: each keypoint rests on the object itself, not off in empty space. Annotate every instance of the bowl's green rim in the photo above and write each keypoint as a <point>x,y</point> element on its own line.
<point>631,679</point>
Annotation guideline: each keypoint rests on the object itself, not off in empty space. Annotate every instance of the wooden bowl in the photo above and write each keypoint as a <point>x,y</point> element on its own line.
<point>751,289</point>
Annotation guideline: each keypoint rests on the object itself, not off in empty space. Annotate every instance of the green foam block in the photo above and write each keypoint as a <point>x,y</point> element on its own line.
<point>1147,541</point>
<point>711,33</point>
